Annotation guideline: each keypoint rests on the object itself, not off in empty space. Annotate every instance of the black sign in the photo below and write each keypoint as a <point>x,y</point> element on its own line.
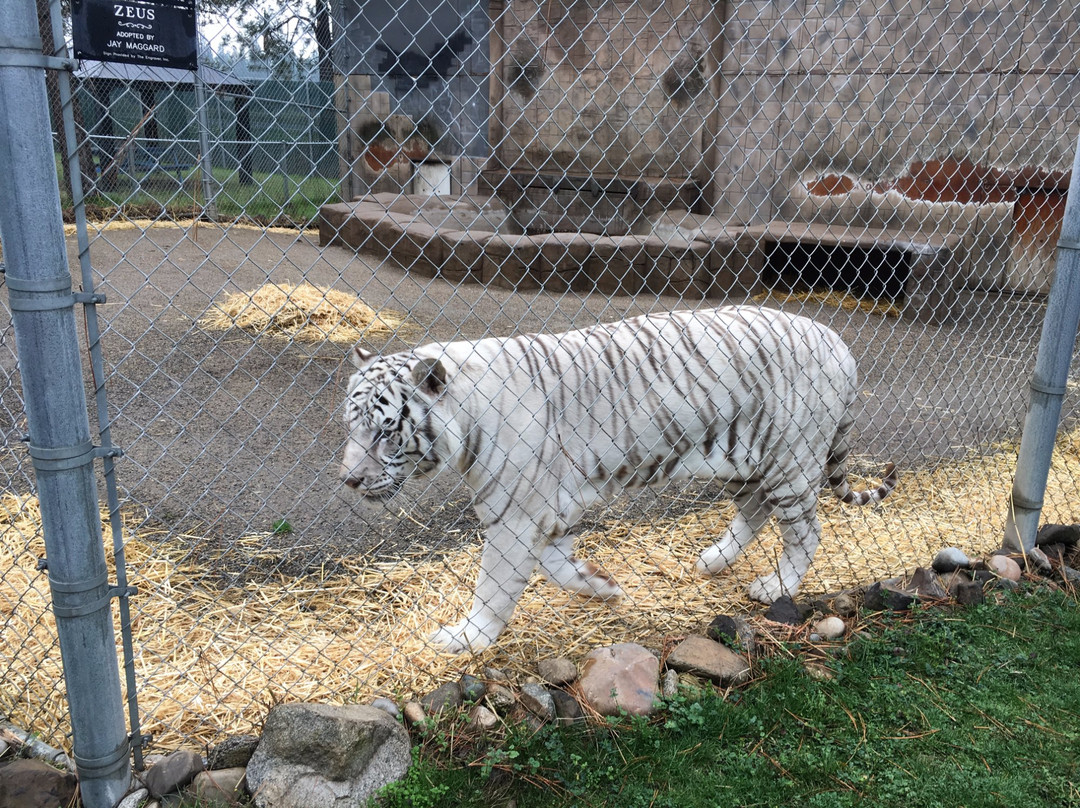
<point>160,33</point>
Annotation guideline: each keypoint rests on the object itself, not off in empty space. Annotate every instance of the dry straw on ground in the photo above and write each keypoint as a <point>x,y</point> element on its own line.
<point>833,299</point>
<point>211,659</point>
<point>301,311</point>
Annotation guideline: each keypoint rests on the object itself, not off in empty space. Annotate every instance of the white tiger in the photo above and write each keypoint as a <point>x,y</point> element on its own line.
<point>542,426</point>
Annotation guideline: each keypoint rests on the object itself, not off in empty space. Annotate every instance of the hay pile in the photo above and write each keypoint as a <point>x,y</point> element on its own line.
<point>833,299</point>
<point>301,311</point>
<point>210,660</point>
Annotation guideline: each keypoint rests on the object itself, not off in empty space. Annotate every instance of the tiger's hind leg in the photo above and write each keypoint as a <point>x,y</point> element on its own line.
<point>751,514</point>
<point>801,534</point>
<point>559,565</point>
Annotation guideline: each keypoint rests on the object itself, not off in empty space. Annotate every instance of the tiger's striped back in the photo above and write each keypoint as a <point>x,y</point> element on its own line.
<point>543,425</point>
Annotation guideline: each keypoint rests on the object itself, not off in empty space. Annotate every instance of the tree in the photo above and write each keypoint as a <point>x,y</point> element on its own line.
<point>290,40</point>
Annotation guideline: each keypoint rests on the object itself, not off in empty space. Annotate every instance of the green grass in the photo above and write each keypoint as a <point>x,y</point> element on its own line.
<point>272,199</point>
<point>964,708</point>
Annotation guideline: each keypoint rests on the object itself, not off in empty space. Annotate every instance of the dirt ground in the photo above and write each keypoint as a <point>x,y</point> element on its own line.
<point>226,433</point>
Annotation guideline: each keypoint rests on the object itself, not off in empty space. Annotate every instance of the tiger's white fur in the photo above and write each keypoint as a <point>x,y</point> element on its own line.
<point>541,426</point>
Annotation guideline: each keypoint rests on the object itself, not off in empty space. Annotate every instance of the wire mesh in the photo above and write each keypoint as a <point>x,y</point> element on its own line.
<point>436,173</point>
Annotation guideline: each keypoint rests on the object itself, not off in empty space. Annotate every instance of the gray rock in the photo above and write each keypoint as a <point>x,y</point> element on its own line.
<point>701,656</point>
<point>1069,575</point>
<point>3,747</point>
<point>669,684</point>
<point>537,700</point>
<point>34,784</point>
<point>558,671</point>
<point>444,698</point>
<point>173,772</point>
<point>1058,534</point>
<point>314,755</point>
<point>969,593</point>
<point>785,610</point>
<point>472,688</point>
<point>746,635</point>
<point>500,698</point>
<point>494,675</point>
<point>927,585</point>
<point>888,597</point>
<point>222,788</point>
<point>134,799</point>
<point>483,718</point>
<point>950,559</point>
<point>620,678</point>
<point>844,605</point>
<point>387,706</point>
<point>234,751</point>
<point>723,628</point>
<point>1004,585</point>
<point>1037,558</point>
<point>567,709</point>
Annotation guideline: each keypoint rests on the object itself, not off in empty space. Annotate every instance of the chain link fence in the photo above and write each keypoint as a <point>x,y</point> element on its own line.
<point>896,172</point>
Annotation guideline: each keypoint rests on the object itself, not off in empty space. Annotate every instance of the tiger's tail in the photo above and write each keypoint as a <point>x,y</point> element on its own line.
<point>836,475</point>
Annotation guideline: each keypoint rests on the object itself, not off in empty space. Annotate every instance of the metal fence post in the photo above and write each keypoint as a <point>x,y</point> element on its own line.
<point>42,307</point>
<point>1049,379</point>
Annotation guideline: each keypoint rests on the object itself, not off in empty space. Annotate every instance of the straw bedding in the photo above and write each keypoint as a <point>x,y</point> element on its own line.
<point>301,311</point>
<point>211,660</point>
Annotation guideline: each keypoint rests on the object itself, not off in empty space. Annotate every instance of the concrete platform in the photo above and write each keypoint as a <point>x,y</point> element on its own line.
<point>697,257</point>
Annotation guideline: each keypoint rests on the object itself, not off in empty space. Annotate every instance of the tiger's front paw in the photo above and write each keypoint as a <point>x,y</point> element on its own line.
<point>770,588</point>
<point>466,636</point>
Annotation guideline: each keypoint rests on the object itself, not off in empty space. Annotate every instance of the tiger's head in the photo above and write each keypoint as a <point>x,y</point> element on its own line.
<point>393,433</point>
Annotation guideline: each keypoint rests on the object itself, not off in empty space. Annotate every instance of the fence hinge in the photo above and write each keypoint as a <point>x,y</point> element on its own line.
<point>62,458</point>
<point>78,587</point>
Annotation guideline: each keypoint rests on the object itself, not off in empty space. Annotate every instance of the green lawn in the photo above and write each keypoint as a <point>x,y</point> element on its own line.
<point>962,708</point>
<point>272,199</point>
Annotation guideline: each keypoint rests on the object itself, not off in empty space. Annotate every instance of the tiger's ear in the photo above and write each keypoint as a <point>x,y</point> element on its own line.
<point>361,358</point>
<point>429,375</point>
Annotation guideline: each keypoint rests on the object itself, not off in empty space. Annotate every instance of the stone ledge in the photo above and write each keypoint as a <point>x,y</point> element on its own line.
<point>693,256</point>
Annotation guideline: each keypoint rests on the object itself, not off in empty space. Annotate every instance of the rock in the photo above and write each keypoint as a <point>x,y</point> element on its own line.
<point>701,656</point>
<point>387,706</point>
<point>537,700</point>
<point>723,628</point>
<point>950,559</point>
<point>969,593</point>
<point>818,670</point>
<point>1069,575</point>
<point>1037,558</point>
<point>1004,584</point>
<point>830,628</point>
<point>494,675</point>
<point>927,585</point>
<point>480,716</point>
<point>3,747</point>
<point>320,755</point>
<point>234,751</point>
<point>887,597</point>
<point>567,709</point>
<point>173,772</point>
<point>785,610</point>
<point>620,678</point>
<point>1005,567</point>
<point>222,788</point>
<point>413,712</point>
<point>500,698</point>
<point>134,799</point>
<point>669,684</point>
<point>33,784</point>
<point>844,605</point>
<point>1058,534</point>
<point>472,688</point>
<point>444,698</point>
<point>558,671</point>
